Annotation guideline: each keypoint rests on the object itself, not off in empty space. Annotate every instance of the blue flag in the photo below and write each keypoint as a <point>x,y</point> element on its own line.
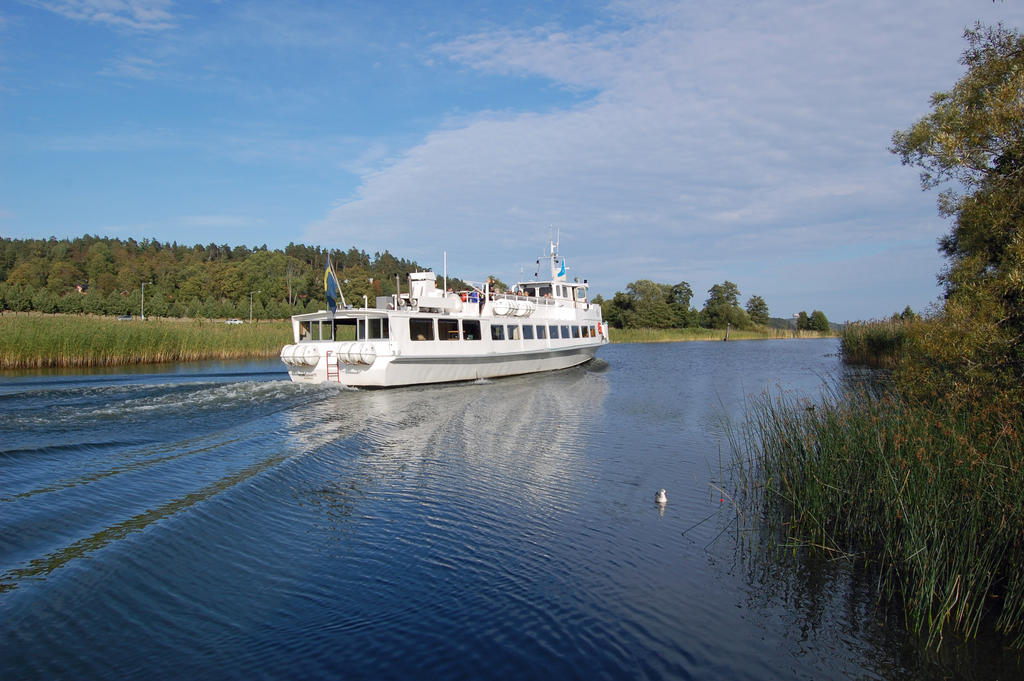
<point>331,286</point>
<point>561,273</point>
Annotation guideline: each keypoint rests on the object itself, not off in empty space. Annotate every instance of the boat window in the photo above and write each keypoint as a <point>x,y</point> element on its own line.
<point>421,329</point>
<point>554,331</point>
<point>305,330</point>
<point>575,332</point>
<point>541,331</point>
<point>375,328</point>
<point>565,332</point>
<point>593,331</point>
<point>344,330</point>
<point>513,332</point>
<point>471,329</point>
<point>586,332</point>
<point>361,329</point>
<point>531,291</point>
<point>497,332</point>
<point>544,291</point>
<point>527,332</point>
<point>448,329</point>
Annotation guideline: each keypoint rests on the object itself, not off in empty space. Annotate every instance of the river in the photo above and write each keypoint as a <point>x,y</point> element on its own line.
<point>217,521</point>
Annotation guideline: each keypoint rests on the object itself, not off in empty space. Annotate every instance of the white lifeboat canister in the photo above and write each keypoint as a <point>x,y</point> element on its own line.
<point>367,353</point>
<point>502,306</point>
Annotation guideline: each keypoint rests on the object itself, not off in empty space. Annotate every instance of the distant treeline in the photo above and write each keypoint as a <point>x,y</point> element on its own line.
<point>649,305</point>
<point>100,275</point>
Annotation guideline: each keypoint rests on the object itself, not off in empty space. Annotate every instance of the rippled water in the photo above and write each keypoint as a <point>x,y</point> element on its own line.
<point>218,521</point>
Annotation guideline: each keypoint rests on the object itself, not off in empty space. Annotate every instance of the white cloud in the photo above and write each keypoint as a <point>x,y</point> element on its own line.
<point>138,15</point>
<point>738,138</point>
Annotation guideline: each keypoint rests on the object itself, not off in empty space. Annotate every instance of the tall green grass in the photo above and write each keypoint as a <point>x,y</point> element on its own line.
<point>35,341</point>
<point>929,494</point>
<point>699,334</point>
<point>874,343</point>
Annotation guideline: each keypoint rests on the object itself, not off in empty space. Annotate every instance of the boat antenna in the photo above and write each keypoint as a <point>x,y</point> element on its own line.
<point>446,274</point>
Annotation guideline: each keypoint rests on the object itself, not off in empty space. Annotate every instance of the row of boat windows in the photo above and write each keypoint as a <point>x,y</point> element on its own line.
<point>423,329</point>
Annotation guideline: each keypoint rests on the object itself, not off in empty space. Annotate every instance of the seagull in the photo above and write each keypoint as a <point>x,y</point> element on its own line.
<point>661,497</point>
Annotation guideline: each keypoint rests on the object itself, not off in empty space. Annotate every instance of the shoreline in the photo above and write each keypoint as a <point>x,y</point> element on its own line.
<point>36,340</point>
<point>73,341</point>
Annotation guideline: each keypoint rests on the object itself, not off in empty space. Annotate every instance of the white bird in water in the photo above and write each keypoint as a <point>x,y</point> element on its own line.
<point>661,497</point>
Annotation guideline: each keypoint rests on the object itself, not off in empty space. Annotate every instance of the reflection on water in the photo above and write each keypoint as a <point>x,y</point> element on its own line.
<point>458,450</point>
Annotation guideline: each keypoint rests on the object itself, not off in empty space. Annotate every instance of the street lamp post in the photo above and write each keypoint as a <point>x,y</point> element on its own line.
<point>250,304</point>
<point>142,312</point>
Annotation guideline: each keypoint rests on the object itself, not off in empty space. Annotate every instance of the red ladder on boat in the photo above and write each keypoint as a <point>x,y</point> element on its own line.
<point>337,369</point>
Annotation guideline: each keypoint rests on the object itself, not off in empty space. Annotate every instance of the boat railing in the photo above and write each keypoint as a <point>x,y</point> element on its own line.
<point>516,296</point>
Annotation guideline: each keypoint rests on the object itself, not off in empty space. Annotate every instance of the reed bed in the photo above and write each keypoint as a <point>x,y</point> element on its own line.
<point>874,343</point>
<point>931,495</point>
<point>700,334</point>
<point>37,341</point>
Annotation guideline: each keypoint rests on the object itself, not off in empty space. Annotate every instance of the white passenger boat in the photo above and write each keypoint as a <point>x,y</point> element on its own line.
<point>434,335</point>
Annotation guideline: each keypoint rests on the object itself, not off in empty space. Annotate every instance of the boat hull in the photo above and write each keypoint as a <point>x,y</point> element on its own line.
<point>391,371</point>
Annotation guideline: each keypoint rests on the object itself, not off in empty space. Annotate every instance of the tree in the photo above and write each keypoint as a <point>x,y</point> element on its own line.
<point>818,322</point>
<point>680,296</point>
<point>908,315</point>
<point>722,308</point>
<point>757,310</point>
<point>973,142</point>
<point>803,323</point>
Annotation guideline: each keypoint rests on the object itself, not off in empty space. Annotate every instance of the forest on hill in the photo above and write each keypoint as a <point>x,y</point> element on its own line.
<point>109,276</point>
<point>101,275</point>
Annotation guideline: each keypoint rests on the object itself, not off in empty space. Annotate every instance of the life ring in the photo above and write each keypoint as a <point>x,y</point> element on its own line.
<point>463,296</point>
<point>599,328</point>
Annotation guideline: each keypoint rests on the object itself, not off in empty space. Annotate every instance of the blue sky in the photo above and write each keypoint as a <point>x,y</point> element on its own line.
<point>673,141</point>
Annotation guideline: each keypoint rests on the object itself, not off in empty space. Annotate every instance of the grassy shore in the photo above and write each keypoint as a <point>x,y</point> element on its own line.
<point>35,341</point>
<point>922,483</point>
<point>876,343</point>
<point>931,496</point>
<point>697,334</point>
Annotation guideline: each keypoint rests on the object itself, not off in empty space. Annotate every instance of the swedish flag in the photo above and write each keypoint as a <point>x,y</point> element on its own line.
<point>331,286</point>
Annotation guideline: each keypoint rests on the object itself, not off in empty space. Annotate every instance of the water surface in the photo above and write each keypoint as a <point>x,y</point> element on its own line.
<point>217,521</point>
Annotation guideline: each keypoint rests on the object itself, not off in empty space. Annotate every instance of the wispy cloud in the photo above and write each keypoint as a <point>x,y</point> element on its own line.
<point>710,135</point>
<point>136,15</point>
<point>138,68</point>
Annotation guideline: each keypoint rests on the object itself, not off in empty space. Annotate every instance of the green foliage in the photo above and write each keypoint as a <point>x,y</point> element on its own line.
<point>973,140</point>
<point>649,305</point>
<point>757,310</point>
<point>198,280</point>
<point>803,322</point>
<point>722,308</point>
<point>818,322</point>
<point>61,341</point>
<point>875,343</point>
<point>926,481</point>
<point>908,315</point>
<point>931,494</point>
